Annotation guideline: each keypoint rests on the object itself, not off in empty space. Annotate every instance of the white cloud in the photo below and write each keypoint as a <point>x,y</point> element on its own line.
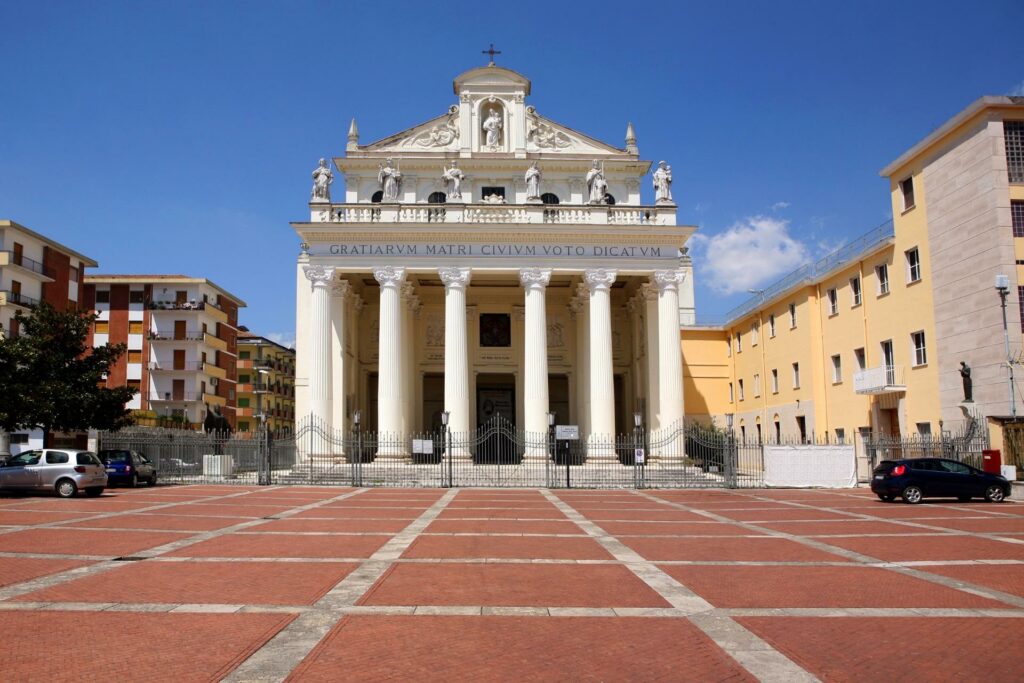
<point>283,338</point>
<point>778,206</point>
<point>751,253</point>
<point>1017,90</point>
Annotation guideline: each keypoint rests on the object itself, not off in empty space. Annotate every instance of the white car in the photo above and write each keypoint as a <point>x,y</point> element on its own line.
<point>65,471</point>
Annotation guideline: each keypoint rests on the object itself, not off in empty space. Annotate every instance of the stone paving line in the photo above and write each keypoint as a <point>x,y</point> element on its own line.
<point>751,652</point>
<point>285,651</point>
<point>857,557</point>
<point>58,578</point>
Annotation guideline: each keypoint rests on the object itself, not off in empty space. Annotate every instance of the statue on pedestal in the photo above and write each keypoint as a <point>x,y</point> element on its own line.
<point>965,375</point>
<point>390,179</point>
<point>597,186</point>
<point>322,179</point>
<point>663,184</point>
<point>453,178</point>
<point>217,427</point>
<point>533,176</point>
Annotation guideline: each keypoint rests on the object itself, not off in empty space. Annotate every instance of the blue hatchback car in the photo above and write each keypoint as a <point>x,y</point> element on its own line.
<point>913,479</point>
<point>127,467</point>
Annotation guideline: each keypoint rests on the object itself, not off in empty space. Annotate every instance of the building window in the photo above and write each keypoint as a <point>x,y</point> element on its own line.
<point>801,425</point>
<point>907,190</point>
<point>135,356</point>
<point>73,274</point>
<point>135,327</point>
<point>486,192</point>
<point>549,198</point>
<point>1017,215</point>
<point>243,355</point>
<point>833,302</point>
<point>858,354</point>
<point>730,392</point>
<point>495,330</point>
<point>924,430</point>
<point>1013,136</point>
<point>135,385</point>
<point>243,403</point>
<point>136,296</point>
<point>103,296</point>
<point>855,290</point>
<point>792,316</point>
<point>913,265</point>
<point>920,353</point>
<point>437,198</point>
<point>728,346</point>
<point>775,380</point>
<point>243,379</point>
<point>837,369</point>
<point>796,375</point>
<point>771,325</point>
<point>755,334</point>
<point>739,342</point>
<point>840,435</point>
<point>757,385</point>
<point>377,197</point>
<point>882,275</point>
<point>740,384</point>
<point>102,327</point>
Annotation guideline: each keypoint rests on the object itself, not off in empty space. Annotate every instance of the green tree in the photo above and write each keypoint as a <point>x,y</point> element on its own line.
<point>53,381</point>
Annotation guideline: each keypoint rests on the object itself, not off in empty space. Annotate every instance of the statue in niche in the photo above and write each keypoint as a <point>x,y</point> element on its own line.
<point>322,179</point>
<point>492,127</point>
<point>556,335</point>
<point>663,184</point>
<point>965,375</point>
<point>452,178</point>
<point>597,186</point>
<point>390,179</point>
<point>533,176</point>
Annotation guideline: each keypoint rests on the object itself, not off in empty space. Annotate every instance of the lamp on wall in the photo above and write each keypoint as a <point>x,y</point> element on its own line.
<point>356,417</point>
<point>728,420</point>
<point>444,418</point>
<point>638,419</point>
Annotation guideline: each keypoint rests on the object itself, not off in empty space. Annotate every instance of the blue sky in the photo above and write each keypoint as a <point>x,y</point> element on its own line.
<point>178,137</point>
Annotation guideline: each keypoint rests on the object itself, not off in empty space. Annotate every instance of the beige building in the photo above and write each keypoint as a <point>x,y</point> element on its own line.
<point>266,384</point>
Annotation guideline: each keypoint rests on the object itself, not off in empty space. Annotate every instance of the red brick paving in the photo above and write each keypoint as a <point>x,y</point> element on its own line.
<point>241,512</point>
<point>83,542</point>
<point>506,547</point>
<point>485,503</point>
<point>517,649</point>
<point>782,586</point>
<point>908,548</point>
<point>158,521</point>
<point>897,648</point>
<point>779,514</point>
<point>18,569</point>
<point>274,545</point>
<point>728,550</point>
<point>850,527</point>
<point>503,526</point>
<point>646,515</point>
<point>519,584</point>
<point>336,525</point>
<point>675,529</point>
<point>1008,578</point>
<point>28,517</point>
<point>231,583</point>
<point>983,525</point>
<point>44,646</point>
<point>551,512</point>
<point>357,513</point>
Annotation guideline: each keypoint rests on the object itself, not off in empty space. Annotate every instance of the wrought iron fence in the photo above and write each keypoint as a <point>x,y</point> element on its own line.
<point>965,446</point>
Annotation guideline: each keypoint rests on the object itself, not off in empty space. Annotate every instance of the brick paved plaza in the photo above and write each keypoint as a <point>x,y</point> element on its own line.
<point>257,584</point>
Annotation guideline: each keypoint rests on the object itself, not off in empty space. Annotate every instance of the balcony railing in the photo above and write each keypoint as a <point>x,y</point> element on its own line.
<point>191,366</point>
<point>17,299</point>
<point>190,335</point>
<point>16,259</point>
<point>182,305</point>
<point>584,214</point>
<point>883,379</point>
<point>176,396</point>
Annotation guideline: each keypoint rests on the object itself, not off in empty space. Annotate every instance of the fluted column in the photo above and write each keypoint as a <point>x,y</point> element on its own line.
<point>389,374</point>
<point>601,444</point>
<point>456,357</point>
<point>670,356</point>
<point>320,278</point>
<point>649,293</point>
<point>340,291</point>
<point>582,300</point>
<point>535,378</point>
<point>408,297</point>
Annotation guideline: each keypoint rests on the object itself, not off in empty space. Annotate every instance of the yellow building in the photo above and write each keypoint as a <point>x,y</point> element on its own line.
<point>266,384</point>
<point>871,337</point>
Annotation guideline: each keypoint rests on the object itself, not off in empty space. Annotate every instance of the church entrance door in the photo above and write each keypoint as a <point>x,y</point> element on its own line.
<point>495,418</point>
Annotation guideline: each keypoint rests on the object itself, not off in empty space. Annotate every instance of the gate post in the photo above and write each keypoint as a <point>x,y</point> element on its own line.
<point>731,456</point>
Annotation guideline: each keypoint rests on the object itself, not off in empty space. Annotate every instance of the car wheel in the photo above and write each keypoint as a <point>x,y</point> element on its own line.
<point>152,481</point>
<point>134,481</point>
<point>995,494</point>
<point>94,492</point>
<point>66,488</point>
<point>912,495</point>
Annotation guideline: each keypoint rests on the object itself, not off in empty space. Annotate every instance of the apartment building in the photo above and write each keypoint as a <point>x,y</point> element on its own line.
<point>871,337</point>
<point>182,339</point>
<point>266,384</point>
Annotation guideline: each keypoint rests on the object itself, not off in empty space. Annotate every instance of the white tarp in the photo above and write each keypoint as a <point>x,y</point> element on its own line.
<point>833,466</point>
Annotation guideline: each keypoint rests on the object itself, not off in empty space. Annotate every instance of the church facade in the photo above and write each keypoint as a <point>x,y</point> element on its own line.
<point>491,264</point>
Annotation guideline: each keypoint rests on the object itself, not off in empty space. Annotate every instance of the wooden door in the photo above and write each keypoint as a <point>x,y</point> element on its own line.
<point>179,359</point>
<point>179,329</point>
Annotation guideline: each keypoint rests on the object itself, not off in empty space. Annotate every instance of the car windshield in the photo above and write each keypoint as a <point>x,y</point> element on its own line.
<point>114,456</point>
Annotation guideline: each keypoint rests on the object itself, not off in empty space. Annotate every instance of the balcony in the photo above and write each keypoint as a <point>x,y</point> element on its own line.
<point>176,396</point>
<point>215,371</point>
<point>884,379</point>
<point>519,214</point>
<point>207,306</point>
<point>244,364</point>
<point>17,299</point>
<point>10,258</point>
<point>215,342</point>
<point>190,335</point>
<point>191,366</point>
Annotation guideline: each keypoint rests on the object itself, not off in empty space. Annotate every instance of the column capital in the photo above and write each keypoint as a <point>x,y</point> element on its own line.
<point>599,279</point>
<point>455,278</point>
<point>389,277</point>
<point>667,280</point>
<point>318,275</point>
<point>341,289</point>
<point>535,278</point>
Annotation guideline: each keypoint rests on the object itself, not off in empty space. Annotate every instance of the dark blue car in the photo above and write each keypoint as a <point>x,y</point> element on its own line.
<point>128,467</point>
<point>916,478</point>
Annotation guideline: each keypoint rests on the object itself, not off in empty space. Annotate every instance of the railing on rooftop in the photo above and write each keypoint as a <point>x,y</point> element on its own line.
<point>586,214</point>
<point>810,272</point>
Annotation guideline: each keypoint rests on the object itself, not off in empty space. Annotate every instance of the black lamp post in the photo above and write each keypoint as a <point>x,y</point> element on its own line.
<point>639,457</point>
<point>447,436</point>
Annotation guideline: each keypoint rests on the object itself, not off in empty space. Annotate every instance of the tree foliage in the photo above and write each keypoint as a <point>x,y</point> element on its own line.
<point>52,380</point>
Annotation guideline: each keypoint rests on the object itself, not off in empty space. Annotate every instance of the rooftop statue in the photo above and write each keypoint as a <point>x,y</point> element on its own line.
<point>453,178</point>
<point>322,179</point>
<point>533,176</point>
<point>390,179</point>
<point>597,186</point>
<point>662,184</point>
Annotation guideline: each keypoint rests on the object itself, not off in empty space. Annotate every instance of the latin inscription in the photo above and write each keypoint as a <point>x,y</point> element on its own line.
<point>498,250</point>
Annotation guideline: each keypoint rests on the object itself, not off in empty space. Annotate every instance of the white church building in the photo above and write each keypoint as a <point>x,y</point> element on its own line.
<point>491,263</point>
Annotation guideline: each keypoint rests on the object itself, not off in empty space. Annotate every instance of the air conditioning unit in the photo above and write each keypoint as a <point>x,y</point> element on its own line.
<point>213,381</point>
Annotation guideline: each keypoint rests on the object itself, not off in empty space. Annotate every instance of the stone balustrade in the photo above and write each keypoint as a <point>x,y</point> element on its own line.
<point>518,214</point>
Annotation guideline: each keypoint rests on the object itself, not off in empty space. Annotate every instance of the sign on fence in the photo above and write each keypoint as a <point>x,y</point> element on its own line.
<point>638,456</point>
<point>567,432</point>
<point>422,446</point>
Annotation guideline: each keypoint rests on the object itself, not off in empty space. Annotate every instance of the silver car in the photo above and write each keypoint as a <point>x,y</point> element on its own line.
<point>65,471</point>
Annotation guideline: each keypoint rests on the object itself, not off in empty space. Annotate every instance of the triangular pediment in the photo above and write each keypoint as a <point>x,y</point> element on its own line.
<point>441,133</point>
<point>545,135</point>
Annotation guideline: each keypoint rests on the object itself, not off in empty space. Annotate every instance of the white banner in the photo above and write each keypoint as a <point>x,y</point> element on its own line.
<point>831,466</point>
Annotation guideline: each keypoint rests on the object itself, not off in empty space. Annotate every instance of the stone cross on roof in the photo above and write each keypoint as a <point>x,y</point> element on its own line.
<point>491,52</point>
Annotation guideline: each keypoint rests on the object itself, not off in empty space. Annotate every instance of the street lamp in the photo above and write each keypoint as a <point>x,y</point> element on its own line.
<point>1003,289</point>
<point>447,436</point>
